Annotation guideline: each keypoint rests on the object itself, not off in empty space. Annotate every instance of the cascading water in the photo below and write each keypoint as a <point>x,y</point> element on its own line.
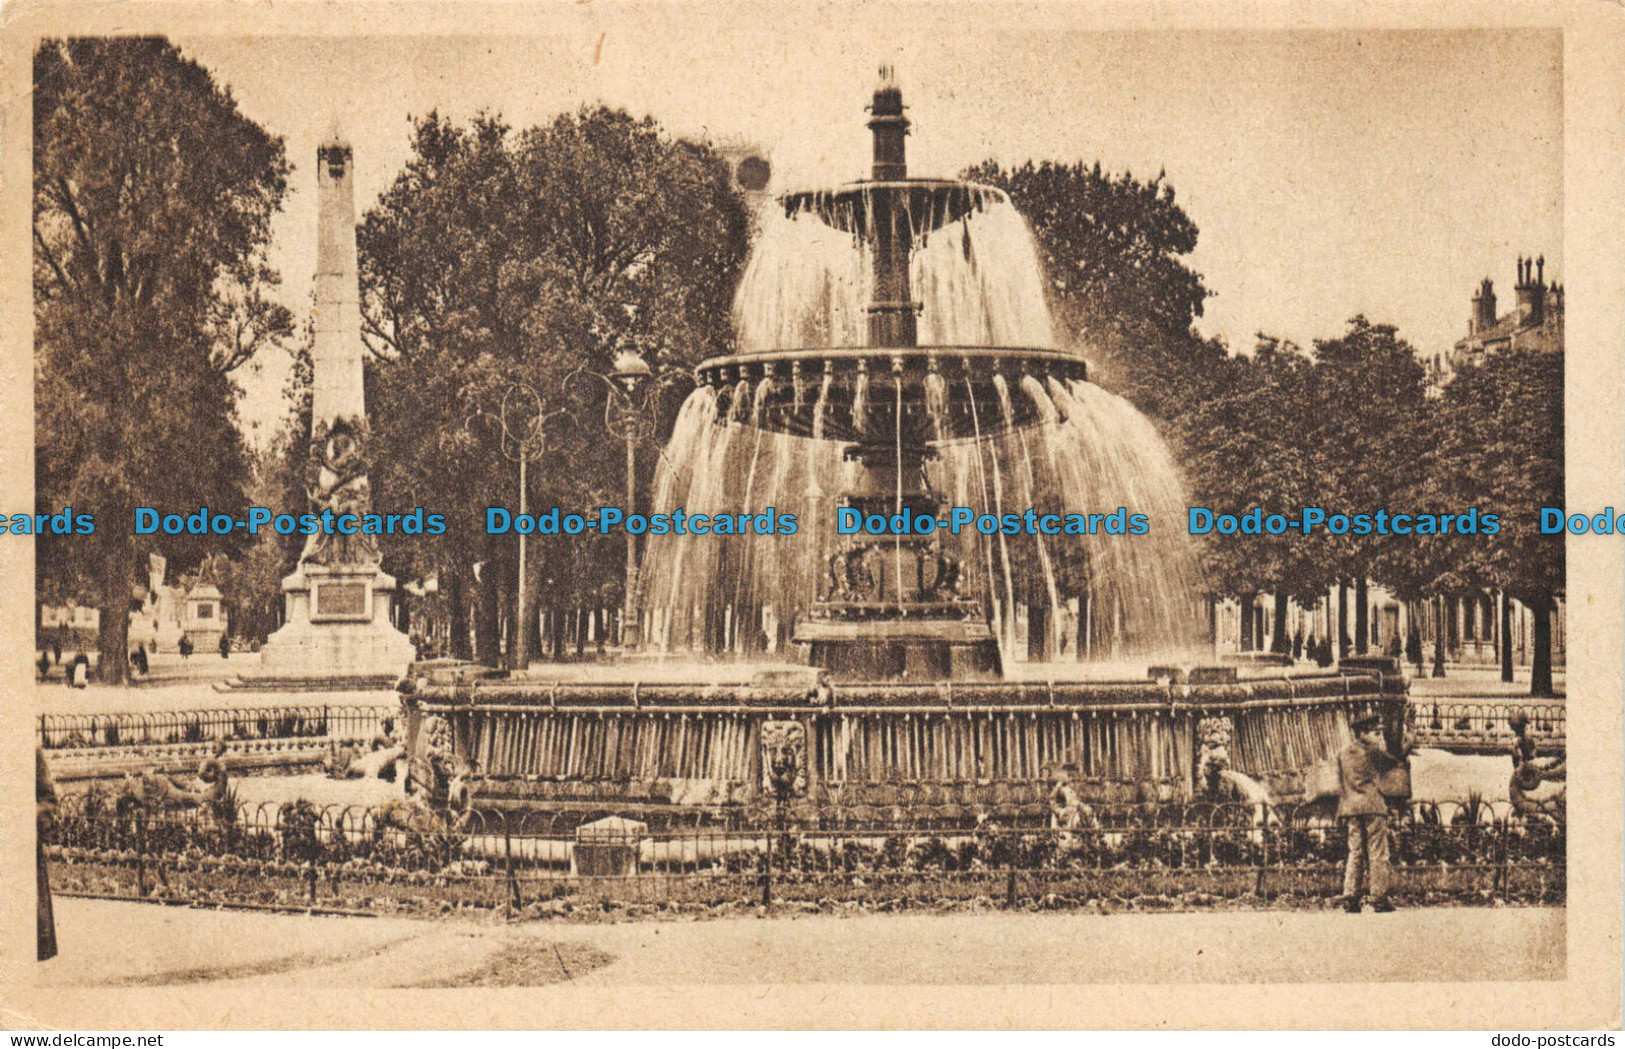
<point>810,285</point>
<point>1092,453</point>
<point>894,334</point>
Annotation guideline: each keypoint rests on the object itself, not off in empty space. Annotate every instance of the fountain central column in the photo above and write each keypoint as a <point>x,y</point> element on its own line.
<point>893,311</point>
<point>893,462</point>
<point>890,606</point>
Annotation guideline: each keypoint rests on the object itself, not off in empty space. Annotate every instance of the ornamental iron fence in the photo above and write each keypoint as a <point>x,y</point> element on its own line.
<point>170,727</point>
<point>1485,723</point>
<point>408,858</point>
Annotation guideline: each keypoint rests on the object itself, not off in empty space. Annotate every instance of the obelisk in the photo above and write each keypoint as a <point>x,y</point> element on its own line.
<point>338,600</point>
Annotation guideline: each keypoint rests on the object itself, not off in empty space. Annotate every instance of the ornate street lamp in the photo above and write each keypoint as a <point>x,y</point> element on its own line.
<point>629,371</point>
<point>521,423</point>
<point>629,375</point>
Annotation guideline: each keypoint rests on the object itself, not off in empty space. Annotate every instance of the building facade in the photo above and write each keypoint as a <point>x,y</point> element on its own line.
<point>1534,323</point>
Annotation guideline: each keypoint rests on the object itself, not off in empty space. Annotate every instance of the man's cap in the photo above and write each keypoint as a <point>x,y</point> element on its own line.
<point>1367,723</point>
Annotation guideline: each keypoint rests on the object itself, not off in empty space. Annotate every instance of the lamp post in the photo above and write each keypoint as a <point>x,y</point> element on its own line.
<point>629,375</point>
<point>520,421</point>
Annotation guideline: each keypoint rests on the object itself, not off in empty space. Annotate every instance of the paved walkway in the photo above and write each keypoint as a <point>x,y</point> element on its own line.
<point>134,944</point>
<point>1465,681</point>
<point>191,695</point>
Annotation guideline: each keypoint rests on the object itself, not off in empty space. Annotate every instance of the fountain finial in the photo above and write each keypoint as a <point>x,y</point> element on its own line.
<point>890,127</point>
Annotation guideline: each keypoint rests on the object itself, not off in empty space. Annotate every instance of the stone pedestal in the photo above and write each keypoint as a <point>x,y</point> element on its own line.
<point>337,626</point>
<point>607,848</point>
<point>205,618</point>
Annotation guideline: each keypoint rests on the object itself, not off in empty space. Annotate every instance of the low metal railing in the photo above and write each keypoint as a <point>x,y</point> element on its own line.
<point>1487,722</point>
<point>404,857</point>
<point>169,727</point>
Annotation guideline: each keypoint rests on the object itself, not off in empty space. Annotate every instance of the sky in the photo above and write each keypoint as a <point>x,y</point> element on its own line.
<point>1330,172</point>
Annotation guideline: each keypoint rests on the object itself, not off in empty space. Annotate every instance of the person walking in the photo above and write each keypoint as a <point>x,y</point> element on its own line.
<point>1364,813</point>
<point>79,671</point>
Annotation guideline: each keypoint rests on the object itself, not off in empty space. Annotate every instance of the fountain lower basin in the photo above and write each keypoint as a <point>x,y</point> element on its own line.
<point>942,749</point>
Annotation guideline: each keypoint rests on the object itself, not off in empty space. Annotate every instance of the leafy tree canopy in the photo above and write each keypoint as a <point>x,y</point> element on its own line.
<point>153,197</point>
<point>1113,248</point>
<point>535,257</point>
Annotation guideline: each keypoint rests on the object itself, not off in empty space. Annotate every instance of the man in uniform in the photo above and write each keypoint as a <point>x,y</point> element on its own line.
<point>1364,811</point>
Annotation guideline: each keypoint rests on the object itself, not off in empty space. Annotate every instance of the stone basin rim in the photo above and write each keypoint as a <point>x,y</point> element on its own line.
<point>796,200</point>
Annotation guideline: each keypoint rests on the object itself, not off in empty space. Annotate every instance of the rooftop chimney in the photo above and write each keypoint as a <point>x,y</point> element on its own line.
<point>1531,292</point>
<point>1483,315</point>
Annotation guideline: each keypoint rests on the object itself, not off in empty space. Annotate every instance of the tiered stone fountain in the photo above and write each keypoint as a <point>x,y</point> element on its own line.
<point>907,703</point>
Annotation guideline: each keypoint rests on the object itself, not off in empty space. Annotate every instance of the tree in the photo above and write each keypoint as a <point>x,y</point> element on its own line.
<point>1112,249</point>
<point>153,198</point>
<point>1370,411</point>
<point>1501,449</point>
<point>1344,429</point>
<point>252,584</point>
<point>1244,446</point>
<point>534,257</point>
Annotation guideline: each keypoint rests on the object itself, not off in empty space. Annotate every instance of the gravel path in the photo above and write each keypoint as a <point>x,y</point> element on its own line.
<point>107,942</point>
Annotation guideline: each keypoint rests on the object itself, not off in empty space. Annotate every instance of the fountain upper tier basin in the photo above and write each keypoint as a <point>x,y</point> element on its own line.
<point>913,394</point>
<point>911,206</point>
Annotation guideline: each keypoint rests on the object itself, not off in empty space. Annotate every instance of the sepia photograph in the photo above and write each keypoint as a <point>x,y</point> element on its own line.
<point>591,498</point>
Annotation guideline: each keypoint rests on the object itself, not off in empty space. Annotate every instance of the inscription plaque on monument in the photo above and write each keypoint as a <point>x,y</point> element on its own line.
<point>346,600</point>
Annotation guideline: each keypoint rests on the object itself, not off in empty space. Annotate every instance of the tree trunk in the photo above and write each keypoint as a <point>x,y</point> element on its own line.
<point>1037,632</point>
<point>1438,637</point>
<point>1247,621</point>
<point>487,613</point>
<point>533,605</point>
<point>1362,617</point>
<point>1080,649</point>
<point>1282,641</point>
<point>1342,620</point>
<point>507,595</point>
<point>1506,637</point>
<point>1540,668</point>
<point>117,583</point>
<point>457,606</point>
